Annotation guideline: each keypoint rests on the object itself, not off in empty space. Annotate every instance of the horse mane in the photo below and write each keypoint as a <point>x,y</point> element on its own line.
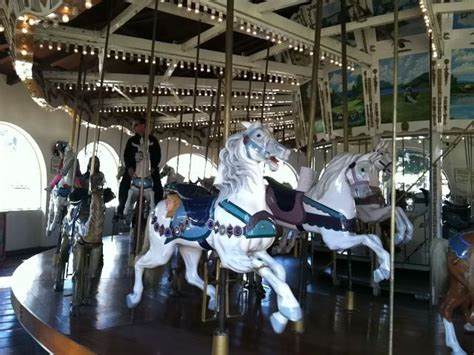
<point>332,171</point>
<point>233,169</point>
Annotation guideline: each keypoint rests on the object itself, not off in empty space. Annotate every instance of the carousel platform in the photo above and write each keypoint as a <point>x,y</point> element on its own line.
<point>162,324</point>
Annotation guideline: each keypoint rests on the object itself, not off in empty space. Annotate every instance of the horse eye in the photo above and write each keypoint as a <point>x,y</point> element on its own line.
<point>259,135</point>
<point>363,170</point>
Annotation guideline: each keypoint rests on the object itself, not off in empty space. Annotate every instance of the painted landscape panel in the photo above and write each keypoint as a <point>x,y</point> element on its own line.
<point>355,98</point>
<point>306,101</point>
<point>462,84</point>
<point>413,88</point>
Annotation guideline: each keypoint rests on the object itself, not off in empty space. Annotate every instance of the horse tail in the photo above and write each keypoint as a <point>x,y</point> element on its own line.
<point>439,266</point>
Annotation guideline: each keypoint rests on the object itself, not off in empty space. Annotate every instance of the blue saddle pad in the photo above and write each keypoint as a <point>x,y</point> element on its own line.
<point>147,183</point>
<point>459,246</point>
<point>197,202</point>
<point>182,227</point>
<point>64,191</point>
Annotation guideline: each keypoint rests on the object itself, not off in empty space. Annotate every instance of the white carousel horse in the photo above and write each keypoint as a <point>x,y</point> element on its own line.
<point>372,208</point>
<point>59,195</point>
<point>208,183</point>
<point>142,176</point>
<point>286,242</point>
<point>236,224</point>
<point>172,176</point>
<point>328,208</point>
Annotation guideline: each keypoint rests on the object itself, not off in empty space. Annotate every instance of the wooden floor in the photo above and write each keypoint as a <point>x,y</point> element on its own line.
<point>13,338</point>
<point>171,325</point>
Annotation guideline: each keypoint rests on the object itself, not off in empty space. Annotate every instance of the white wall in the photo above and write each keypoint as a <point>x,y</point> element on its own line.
<point>25,229</point>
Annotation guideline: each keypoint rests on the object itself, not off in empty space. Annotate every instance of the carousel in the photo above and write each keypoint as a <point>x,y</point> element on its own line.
<point>239,177</point>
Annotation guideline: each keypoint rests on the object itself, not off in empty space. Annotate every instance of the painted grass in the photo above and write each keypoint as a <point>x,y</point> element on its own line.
<point>406,111</point>
<point>353,105</point>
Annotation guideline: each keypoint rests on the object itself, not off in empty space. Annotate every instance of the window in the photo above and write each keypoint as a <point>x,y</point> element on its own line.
<point>109,162</point>
<point>199,168</point>
<point>23,172</point>
<point>284,174</point>
<point>411,164</point>
<point>445,190</point>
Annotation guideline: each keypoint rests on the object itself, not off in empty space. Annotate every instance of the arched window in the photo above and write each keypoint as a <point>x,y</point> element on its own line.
<point>411,164</point>
<point>109,162</point>
<point>23,171</point>
<point>284,174</point>
<point>445,189</point>
<point>199,167</point>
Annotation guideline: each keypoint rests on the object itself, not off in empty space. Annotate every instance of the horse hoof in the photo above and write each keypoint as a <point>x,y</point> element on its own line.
<point>130,303</point>
<point>212,304</point>
<point>74,311</point>
<point>278,322</point>
<point>398,239</point>
<point>294,314</point>
<point>381,274</point>
<point>459,351</point>
<point>469,328</point>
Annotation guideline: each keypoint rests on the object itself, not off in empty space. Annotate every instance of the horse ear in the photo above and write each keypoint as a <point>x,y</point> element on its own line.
<point>379,146</point>
<point>246,124</point>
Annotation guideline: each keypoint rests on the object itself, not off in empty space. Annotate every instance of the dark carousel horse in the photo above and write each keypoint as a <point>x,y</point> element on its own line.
<point>452,261</point>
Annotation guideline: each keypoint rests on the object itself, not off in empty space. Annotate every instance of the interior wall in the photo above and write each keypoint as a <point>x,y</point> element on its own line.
<point>25,229</point>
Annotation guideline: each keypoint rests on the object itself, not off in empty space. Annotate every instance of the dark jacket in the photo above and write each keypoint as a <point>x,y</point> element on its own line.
<point>130,150</point>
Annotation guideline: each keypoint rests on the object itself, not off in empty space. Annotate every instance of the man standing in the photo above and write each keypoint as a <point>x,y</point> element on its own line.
<point>131,156</point>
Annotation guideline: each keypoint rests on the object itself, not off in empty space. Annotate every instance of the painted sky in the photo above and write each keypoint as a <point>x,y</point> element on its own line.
<point>330,8</point>
<point>465,20</point>
<point>335,80</point>
<point>410,66</point>
<point>381,5</point>
<point>463,64</point>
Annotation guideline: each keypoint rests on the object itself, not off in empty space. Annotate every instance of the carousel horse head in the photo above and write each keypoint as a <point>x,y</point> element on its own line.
<point>356,170</point>
<point>243,152</point>
<point>166,170</point>
<point>381,158</point>
<point>60,147</point>
<point>261,146</point>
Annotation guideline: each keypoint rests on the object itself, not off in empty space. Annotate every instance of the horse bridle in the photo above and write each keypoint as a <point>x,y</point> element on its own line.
<point>352,176</point>
<point>250,143</point>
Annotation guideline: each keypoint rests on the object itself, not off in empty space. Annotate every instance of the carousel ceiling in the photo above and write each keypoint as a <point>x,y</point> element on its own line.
<point>64,41</point>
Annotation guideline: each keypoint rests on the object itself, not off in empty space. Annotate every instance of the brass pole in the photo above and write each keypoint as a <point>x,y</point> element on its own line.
<point>249,97</point>
<point>194,101</point>
<point>345,118</point>
<point>229,45</point>
<point>101,88</point>
<point>394,173</point>
<point>314,83</point>
<point>220,343</point>
<point>151,84</point>
<point>265,78</point>
<point>299,326</point>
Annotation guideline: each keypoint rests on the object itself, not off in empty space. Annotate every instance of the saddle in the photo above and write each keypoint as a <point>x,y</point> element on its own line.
<point>197,202</point>
<point>459,246</point>
<point>285,203</point>
<point>147,183</point>
<point>63,191</point>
